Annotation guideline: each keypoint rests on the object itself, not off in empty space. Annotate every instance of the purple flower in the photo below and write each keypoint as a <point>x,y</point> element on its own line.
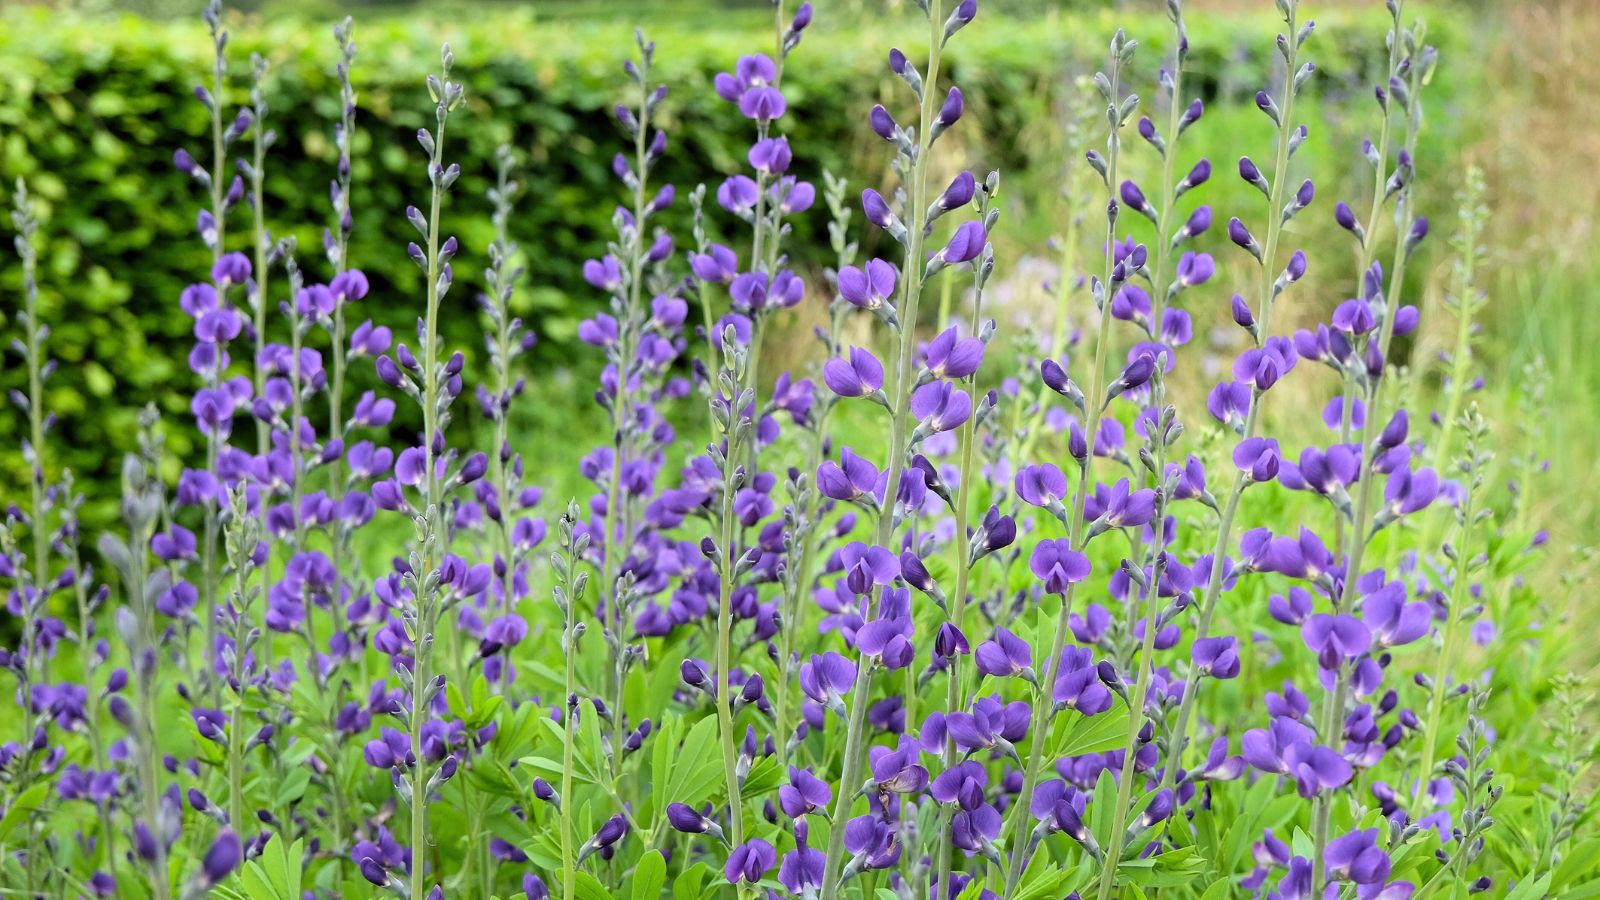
<point>849,479</point>
<point>1257,458</point>
<point>737,194</point>
<point>950,356</point>
<point>1127,508</point>
<point>950,111</point>
<point>897,771</point>
<point>718,267</point>
<point>887,640</point>
<point>749,862</point>
<point>1005,656</point>
<point>1216,656</point>
<point>1229,403</point>
<point>940,406</point>
<point>1078,685</point>
<point>770,156</point>
<point>1358,858</point>
<point>222,858</point>
<point>1219,766</point>
<point>869,289</point>
<point>1392,621</point>
<point>802,870</point>
<point>872,841</point>
<point>1058,565</point>
<point>1043,485</point>
<point>861,376</point>
<point>826,678</point>
<point>1335,638</point>
<point>1195,269</point>
<point>1407,492</point>
<point>1286,748</point>
<point>805,793</point>
<point>750,86</point>
<point>965,244</point>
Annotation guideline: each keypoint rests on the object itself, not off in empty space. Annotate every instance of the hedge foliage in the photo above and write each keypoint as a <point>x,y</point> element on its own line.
<point>91,110</point>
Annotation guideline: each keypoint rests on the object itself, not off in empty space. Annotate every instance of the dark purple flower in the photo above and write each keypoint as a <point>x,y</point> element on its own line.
<point>749,862</point>
<point>805,793</point>
<point>965,244</point>
<point>1058,565</point>
<point>1005,656</point>
<point>1216,656</point>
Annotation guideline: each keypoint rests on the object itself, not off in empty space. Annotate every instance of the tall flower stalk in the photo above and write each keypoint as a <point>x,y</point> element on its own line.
<point>967,552</point>
<point>1167,327</point>
<point>436,580</point>
<point>255,169</point>
<point>1410,229</point>
<point>736,410</point>
<point>1118,270</point>
<point>568,592</point>
<point>1290,136</point>
<point>1465,560</point>
<point>910,229</point>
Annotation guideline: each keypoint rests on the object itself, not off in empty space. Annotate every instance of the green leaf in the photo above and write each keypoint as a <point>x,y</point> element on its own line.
<point>1075,734</point>
<point>1043,879</point>
<point>764,776</point>
<point>1100,814</point>
<point>649,875</point>
<point>697,766</point>
<point>590,751</point>
<point>276,874</point>
<point>1529,888</point>
<point>31,800</point>
<point>293,786</point>
<point>590,888</point>
<point>1581,859</point>
<point>687,885</point>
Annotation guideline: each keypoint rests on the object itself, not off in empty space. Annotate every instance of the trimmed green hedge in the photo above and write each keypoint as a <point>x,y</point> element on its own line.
<point>91,111</point>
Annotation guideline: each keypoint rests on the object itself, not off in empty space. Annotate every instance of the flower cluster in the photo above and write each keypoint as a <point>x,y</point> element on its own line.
<point>942,613</point>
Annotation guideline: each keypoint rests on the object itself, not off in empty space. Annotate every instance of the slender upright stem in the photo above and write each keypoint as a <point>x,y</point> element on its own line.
<point>1144,675</point>
<point>219,211</point>
<point>1459,598</point>
<point>954,700</point>
<point>569,870</point>
<point>619,528</point>
<point>427,600</point>
<point>1269,266</point>
<point>1043,704</point>
<point>262,242</point>
<point>910,300</point>
<point>1361,523</point>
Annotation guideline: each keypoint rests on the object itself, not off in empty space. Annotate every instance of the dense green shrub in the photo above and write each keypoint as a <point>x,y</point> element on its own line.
<point>89,109</point>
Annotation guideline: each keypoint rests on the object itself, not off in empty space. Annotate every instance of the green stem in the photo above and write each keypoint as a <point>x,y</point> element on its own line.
<point>427,599</point>
<point>569,872</point>
<point>1447,653</point>
<point>910,300</point>
<point>1361,537</point>
<point>1043,709</point>
<point>1269,259</point>
<point>954,700</point>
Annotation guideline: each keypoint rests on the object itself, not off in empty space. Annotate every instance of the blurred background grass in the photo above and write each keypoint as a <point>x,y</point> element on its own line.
<point>94,101</point>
